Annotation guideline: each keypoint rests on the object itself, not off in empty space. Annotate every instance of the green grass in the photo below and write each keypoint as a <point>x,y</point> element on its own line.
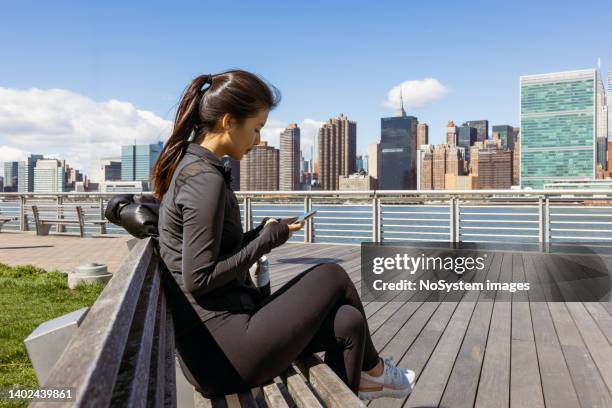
<point>28,297</point>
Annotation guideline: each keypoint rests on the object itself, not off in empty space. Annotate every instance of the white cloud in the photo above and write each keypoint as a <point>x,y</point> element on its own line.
<point>309,129</point>
<point>71,126</point>
<point>416,93</point>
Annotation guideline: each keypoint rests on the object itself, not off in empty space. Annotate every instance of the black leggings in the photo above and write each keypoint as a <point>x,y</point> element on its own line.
<point>317,310</point>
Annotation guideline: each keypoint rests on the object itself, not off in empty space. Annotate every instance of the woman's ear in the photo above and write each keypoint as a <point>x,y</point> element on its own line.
<point>227,121</point>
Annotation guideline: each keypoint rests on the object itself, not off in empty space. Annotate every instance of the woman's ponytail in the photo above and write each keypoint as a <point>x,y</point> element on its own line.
<point>238,93</point>
<point>184,126</point>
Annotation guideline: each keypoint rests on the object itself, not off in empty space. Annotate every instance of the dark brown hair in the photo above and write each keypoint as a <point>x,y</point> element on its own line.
<point>239,93</point>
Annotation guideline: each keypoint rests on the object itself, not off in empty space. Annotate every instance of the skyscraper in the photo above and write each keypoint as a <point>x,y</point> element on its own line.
<point>290,158</point>
<point>422,135</point>
<point>454,160</point>
<point>559,124</point>
<point>451,133</point>
<point>505,134</point>
<point>516,162</point>
<point>482,128</point>
<point>493,167</point>
<point>25,173</point>
<point>359,163</point>
<point>609,104</point>
<point>438,166</point>
<point>10,175</point>
<point>110,169</point>
<point>601,123</point>
<point>138,160</point>
<point>49,176</point>
<point>259,168</point>
<point>398,151</point>
<point>425,167</point>
<point>374,160</point>
<point>337,151</point>
<point>467,136</point>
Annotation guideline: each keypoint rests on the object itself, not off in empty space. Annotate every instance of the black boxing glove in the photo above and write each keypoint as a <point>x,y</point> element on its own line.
<point>137,214</point>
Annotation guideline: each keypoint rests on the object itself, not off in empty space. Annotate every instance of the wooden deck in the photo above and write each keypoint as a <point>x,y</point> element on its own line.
<point>486,352</point>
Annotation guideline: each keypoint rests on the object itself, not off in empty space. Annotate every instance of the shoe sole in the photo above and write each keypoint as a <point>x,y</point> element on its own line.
<point>385,392</point>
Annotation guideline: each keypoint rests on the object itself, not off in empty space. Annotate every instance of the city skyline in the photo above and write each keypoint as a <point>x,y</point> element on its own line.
<point>103,87</point>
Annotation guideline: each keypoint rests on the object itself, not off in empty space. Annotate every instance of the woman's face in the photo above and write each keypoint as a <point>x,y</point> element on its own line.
<point>246,135</point>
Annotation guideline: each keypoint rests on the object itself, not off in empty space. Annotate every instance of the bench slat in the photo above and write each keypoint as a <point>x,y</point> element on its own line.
<point>157,371</point>
<point>92,358</point>
<point>330,388</point>
<point>299,390</point>
<point>170,371</point>
<point>274,397</point>
<point>131,386</point>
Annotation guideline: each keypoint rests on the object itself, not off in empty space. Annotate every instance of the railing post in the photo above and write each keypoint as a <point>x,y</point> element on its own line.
<point>60,213</point>
<point>23,222</point>
<point>547,222</point>
<point>542,223</point>
<point>309,223</point>
<point>376,227</point>
<point>102,225</point>
<point>457,238</point>
<point>451,225</point>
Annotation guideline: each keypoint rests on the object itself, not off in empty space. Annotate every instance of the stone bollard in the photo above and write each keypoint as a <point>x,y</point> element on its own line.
<point>89,273</point>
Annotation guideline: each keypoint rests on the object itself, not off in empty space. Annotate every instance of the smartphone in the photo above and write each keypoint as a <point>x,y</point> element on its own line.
<point>305,216</point>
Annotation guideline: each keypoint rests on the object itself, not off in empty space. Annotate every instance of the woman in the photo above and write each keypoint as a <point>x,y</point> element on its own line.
<point>232,337</point>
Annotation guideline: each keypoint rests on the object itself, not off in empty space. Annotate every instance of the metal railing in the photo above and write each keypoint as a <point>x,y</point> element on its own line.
<point>350,217</point>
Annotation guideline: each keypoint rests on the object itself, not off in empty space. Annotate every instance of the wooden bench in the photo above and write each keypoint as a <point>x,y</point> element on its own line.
<point>123,353</point>
<point>43,225</point>
<point>4,219</point>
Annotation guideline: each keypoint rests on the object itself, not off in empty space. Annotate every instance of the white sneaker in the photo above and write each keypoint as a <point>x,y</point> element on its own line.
<point>394,382</point>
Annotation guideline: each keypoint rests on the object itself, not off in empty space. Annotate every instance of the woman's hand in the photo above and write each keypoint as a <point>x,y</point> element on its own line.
<point>292,227</point>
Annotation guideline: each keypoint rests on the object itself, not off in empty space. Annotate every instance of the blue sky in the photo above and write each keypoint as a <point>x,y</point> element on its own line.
<point>326,58</point>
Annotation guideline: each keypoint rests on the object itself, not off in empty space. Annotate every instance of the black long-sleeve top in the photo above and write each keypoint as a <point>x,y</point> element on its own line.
<point>201,238</point>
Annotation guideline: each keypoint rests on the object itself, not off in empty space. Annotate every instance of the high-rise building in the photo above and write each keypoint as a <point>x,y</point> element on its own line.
<point>359,165</point>
<point>609,110</point>
<point>337,151</point>
<point>259,168</point>
<point>516,162</point>
<point>398,151</point>
<point>602,125</point>
<point>559,126</point>
<point>482,128</point>
<point>505,134</point>
<point>366,163</point>
<point>493,167</point>
<point>467,136</point>
<point>49,176</point>
<point>374,159</point>
<point>10,176</point>
<point>424,167</point>
<point>422,135</point>
<point>110,169</point>
<point>138,160</point>
<point>289,177</point>
<point>451,133</point>
<point>454,160</point>
<point>25,173</point>
<point>438,166</point>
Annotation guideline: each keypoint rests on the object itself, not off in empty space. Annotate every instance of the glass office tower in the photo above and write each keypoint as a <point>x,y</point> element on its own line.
<point>138,160</point>
<point>559,114</point>
<point>398,153</point>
